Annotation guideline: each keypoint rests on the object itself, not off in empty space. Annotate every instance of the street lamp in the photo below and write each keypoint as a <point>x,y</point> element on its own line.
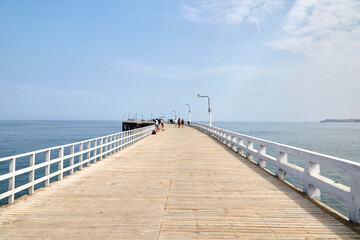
<point>175,113</point>
<point>210,110</point>
<point>189,113</point>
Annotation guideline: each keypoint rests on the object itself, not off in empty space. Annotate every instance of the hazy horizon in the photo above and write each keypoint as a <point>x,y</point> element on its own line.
<point>185,118</point>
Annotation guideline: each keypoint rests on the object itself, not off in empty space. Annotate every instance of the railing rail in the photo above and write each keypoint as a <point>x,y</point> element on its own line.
<point>87,152</point>
<point>313,181</point>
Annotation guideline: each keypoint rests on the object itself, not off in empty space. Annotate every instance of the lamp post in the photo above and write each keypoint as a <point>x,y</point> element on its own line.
<point>175,113</point>
<point>210,110</point>
<point>189,113</point>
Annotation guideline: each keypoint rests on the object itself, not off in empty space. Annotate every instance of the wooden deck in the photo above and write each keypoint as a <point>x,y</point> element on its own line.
<point>178,184</point>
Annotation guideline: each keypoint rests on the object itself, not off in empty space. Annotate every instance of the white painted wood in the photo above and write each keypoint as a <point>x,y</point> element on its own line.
<point>101,148</point>
<point>81,148</point>
<point>61,163</point>
<point>32,173</point>
<point>47,167</point>
<point>249,146</point>
<point>313,181</point>
<point>88,147</point>
<point>12,164</point>
<point>262,151</point>
<point>113,142</point>
<point>311,169</point>
<point>72,159</point>
<point>282,158</point>
<point>95,150</point>
<point>354,215</point>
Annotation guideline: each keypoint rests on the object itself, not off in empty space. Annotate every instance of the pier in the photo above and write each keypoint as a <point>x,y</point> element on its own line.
<point>181,183</point>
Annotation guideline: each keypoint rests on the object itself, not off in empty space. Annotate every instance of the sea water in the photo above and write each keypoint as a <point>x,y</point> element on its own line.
<point>335,139</point>
<point>18,137</point>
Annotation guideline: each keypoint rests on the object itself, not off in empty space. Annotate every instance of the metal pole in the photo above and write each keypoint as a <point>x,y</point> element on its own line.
<point>209,108</point>
<point>189,112</point>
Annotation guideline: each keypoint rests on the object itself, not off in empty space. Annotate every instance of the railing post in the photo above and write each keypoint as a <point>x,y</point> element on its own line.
<point>354,215</point>
<point>81,147</point>
<point>101,148</point>
<point>61,163</point>
<point>127,139</point>
<point>107,148</point>
<point>235,144</point>
<point>113,144</point>
<point>88,151</point>
<point>12,164</point>
<point>105,140</point>
<point>47,168</point>
<point>250,145</point>
<point>121,141</point>
<point>311,168</point>
<point>262,151</point>
<point>32,174</point>
<point>95,149</point>
<point>72,159</point>
<point>282,158</point>
<point>240,142</point>
<point>117,143</point>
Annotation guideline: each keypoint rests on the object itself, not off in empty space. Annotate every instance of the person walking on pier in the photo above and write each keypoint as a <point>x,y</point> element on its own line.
<point>162,124</point>
<point>179,122</point>
<point>182,123</point>
<point>175,121</point>
<point>157,125</point>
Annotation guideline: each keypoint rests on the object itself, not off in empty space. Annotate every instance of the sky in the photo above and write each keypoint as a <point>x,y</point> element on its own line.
<point>259,60</point>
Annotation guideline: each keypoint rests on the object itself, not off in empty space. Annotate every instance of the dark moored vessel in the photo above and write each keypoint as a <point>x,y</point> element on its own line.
<point>132,124</point>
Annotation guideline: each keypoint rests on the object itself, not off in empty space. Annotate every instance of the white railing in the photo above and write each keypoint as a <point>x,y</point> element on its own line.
<point>313,181</point>
<point>85,152</point>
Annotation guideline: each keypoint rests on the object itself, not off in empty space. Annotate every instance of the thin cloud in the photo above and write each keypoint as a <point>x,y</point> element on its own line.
<point>234,12</point>
<point>327,30</point>
<point>179,72</point>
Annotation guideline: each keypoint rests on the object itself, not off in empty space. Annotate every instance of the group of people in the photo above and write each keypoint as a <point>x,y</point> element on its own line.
<point>159,124</point>
<point>179,122</point>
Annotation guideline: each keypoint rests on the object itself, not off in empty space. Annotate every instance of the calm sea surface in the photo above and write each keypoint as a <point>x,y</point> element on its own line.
<point>336,139</point>
<point>25,136</point>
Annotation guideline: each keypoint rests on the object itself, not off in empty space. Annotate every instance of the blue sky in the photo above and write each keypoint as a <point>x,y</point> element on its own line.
<point>261,60</point>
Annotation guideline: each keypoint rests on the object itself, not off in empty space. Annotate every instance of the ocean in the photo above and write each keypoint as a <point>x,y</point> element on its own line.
<point>336,139</point>
<point>18,137</point>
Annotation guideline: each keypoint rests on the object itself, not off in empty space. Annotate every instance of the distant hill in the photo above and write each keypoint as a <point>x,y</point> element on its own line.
<point>341,121</point>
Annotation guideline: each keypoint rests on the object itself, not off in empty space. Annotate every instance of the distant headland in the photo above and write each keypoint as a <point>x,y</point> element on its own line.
<point>340,121</point>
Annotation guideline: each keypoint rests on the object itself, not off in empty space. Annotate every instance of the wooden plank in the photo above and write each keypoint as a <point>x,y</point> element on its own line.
<point>178,184</point>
